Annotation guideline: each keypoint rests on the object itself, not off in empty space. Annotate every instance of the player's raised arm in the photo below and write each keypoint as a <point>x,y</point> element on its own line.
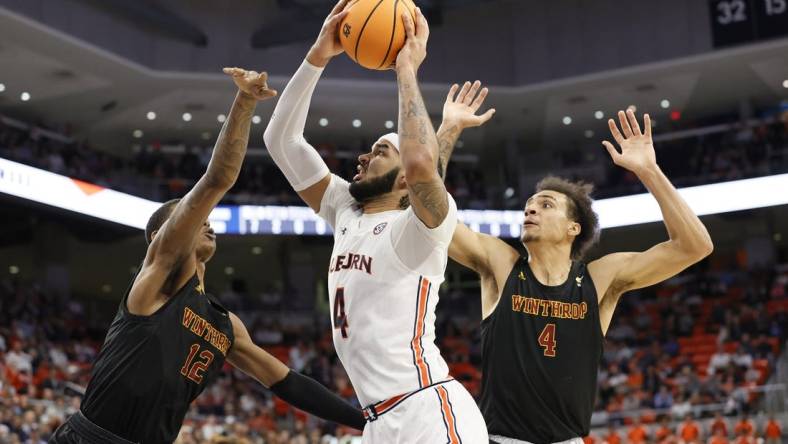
<point>296,389</point>
<point>689,241</point>
<point>284,137</point>
<point>418,144</point>
<point>459,113</point>
<point>170,244</point>
<point>177,236</point>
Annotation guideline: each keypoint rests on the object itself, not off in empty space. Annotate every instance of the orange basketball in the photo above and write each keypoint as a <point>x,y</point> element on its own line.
<point>372,33</point>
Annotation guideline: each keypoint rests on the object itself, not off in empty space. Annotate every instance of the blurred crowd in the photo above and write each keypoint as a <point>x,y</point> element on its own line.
<point>160,172</point>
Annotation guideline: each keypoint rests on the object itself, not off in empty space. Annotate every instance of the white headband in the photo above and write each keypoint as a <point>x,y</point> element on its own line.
<point>391,138</point>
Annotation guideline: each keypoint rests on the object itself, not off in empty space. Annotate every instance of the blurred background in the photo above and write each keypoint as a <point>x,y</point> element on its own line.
<point>108,107</point>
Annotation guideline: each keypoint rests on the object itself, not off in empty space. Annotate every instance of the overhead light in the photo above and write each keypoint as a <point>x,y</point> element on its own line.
<point>632,108</point>
<point>257,251</point>
<point>256,120</point>
<point>389,124</point>
<point>137,133</point>
<point>206,135</point>
<point>785,83</point>
<point>13,269</point>
<point>106,288</point>
<point>599,115</point>
<point>675,115</point>
<point>151,115</point>
<point>323,121</point>
<point>2,87</point>
<point>25,96</point>
<point>221,118</point>
<point>589,134</point>
<point>567,120</point>
<point>665,103</point>
<point>229,270</point>
<point>508,193</point>
<point>356,123</point>
<point>187,117</point>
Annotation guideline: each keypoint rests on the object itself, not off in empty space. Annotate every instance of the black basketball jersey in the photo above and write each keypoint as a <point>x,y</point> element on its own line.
<point>541,349</point>
<point>151,368</point>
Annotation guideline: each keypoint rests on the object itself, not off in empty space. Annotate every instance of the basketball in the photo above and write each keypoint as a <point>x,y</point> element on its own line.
<point>372,33</point>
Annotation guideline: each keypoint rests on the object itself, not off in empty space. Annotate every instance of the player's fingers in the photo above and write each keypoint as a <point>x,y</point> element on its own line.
<point>611,150</point>
<point>422,28</point>
<point>338,7</point>
<point>486,116</point>
<point>337,18</point>
<point>235,72</point>
<point>480,99</point>
<point>472,93</point>
<point>647,124</point>
<point>407,20</point>
<point>263,77</point>
<point>633,122</point>
<point>463,92</point>
<point>452,92</point>
<point>614,131</point>
<point>622,119</point>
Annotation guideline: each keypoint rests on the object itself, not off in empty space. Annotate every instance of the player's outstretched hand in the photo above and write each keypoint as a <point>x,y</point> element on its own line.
<point>637,148</point>
<point>251,82</point>
<point>416,35</point>
<point>328,44</point>
<point>460,107</point>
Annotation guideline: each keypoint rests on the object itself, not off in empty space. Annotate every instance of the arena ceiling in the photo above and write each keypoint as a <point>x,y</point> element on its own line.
<point>104,97</point>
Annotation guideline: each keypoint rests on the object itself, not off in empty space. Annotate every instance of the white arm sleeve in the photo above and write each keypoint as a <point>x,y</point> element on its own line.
<point>422,248</point>
<point>296,158</point>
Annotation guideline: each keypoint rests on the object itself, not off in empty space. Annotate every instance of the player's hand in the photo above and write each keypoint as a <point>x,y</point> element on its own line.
<point>416,35</point>
<point>251,83</point>
<point>327,44</point>
<point>637,149</point>
<point>460,107</point>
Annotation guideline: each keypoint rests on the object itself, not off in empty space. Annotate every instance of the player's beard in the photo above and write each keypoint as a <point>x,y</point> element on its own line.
<point>366,190</point>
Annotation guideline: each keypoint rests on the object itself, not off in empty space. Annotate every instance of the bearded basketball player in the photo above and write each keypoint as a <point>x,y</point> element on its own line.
<point>392,227</point>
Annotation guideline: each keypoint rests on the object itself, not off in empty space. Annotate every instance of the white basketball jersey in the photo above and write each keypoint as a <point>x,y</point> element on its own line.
<point>383,310</point>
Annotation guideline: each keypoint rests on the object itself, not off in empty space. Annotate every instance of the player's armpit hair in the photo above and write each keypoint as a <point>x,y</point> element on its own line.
<point>432,195</point>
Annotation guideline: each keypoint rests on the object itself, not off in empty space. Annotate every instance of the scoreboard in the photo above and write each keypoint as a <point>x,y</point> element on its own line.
<point>740,21</point>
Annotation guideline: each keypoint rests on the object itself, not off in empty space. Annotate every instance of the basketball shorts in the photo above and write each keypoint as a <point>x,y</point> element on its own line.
<point>441,413</point>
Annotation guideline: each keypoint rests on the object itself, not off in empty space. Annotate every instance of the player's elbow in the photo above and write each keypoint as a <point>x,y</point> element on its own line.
<point>219,181</point>
<point>419,168</point>
<point>269,136</point>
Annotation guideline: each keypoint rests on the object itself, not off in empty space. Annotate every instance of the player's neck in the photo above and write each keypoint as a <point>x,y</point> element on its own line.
<point>384,202</point>
<point>550,263</point>
<point>201,273</point>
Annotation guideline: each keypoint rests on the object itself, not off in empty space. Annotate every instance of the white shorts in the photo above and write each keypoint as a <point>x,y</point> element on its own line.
<point>444,413</point>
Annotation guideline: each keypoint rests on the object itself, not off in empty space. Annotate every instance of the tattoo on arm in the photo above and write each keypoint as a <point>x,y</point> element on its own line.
<point>230,148</point>
<point>447,138</point>
<point>432,196</point>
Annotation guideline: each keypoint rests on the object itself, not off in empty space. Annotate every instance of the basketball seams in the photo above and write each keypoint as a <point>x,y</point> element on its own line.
<point>361,33</point>
<point>393,31</point>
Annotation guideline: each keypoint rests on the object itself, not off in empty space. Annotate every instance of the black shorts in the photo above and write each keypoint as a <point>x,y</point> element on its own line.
<point>79,430</point>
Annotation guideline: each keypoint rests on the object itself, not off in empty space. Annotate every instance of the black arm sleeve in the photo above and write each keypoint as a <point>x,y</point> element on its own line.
<point>312,397</point>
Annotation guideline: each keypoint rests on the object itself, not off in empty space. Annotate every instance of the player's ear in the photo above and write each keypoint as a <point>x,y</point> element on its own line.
<point>574,228</point>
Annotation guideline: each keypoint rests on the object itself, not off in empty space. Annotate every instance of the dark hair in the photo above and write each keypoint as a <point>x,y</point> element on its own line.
<point>578,195</point>
<point>158,218</point>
